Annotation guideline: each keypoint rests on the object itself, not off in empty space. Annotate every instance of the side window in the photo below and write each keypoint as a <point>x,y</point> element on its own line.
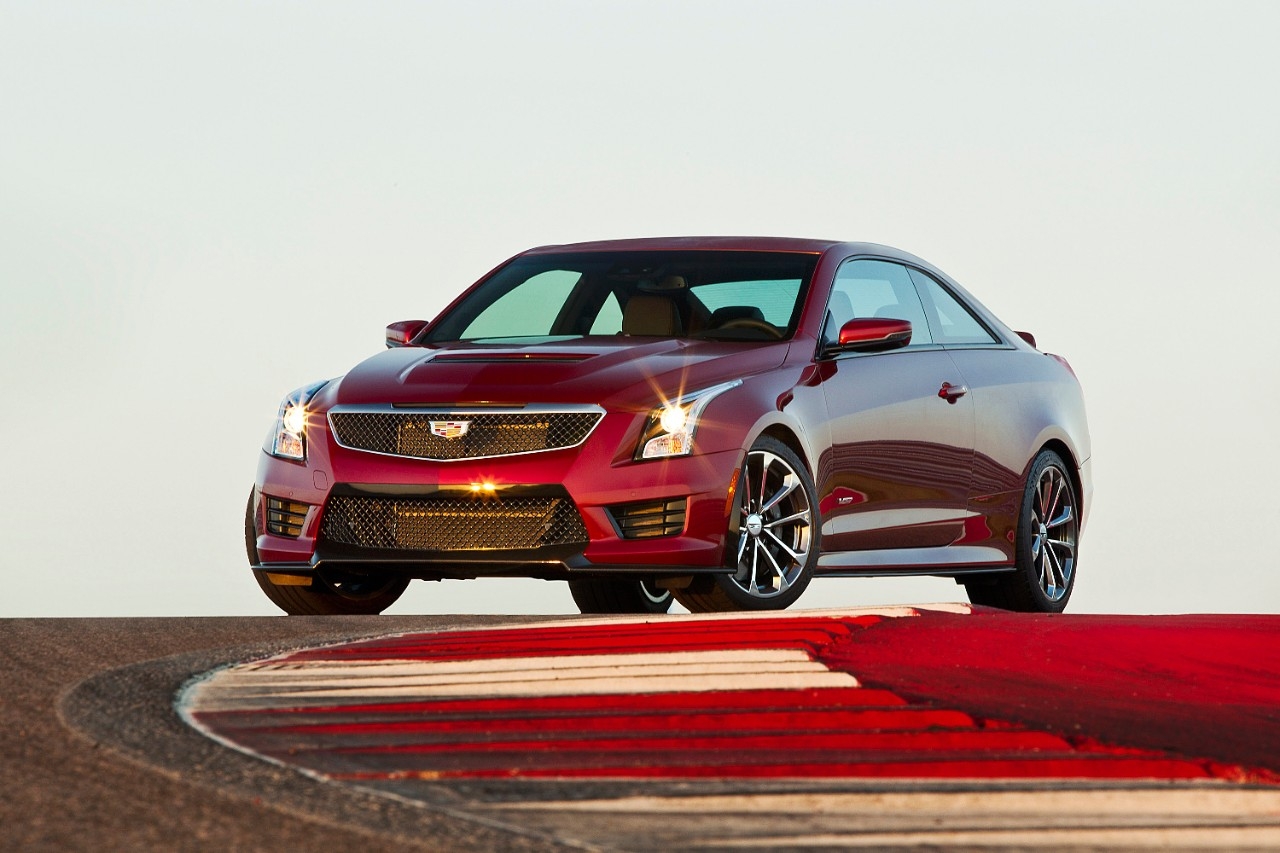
<point>534,304</point>
<point>952,322</point>
<point>866,288</point>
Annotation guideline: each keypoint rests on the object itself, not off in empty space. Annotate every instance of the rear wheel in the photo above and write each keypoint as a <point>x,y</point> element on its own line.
<point>776,544</point>
<point>331,593</point>
<point>594,595</point>
<point>1048,534</point>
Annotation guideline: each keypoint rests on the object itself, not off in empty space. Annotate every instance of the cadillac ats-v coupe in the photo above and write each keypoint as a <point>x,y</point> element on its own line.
<point>718,420</point>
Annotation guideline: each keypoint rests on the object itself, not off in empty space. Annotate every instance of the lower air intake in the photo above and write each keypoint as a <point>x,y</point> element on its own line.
<point>452,524</point>
<point>285,518</point>
<point>649,520</point>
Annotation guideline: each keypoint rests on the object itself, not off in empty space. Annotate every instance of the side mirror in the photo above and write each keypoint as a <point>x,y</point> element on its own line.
<point>399,334</point>
<point>872,334</point>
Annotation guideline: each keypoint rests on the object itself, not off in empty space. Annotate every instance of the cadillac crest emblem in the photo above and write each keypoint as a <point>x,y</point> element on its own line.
<point>450,429</point>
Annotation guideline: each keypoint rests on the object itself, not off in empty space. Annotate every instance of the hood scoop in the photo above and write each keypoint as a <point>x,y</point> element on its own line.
<point>513,357</point>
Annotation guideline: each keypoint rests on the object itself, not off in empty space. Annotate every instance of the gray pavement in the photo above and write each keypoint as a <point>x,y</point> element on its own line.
<point>95,758</point>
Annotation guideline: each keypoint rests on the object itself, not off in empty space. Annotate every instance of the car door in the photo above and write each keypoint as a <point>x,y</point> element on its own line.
<point>898,469</point>
<point>1008,394</point>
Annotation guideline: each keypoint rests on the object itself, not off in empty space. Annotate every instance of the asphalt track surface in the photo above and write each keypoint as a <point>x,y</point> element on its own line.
<point>95,755</point>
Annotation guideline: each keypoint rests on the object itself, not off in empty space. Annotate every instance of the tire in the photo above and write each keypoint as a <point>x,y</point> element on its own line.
<point>331,593</point>
<point>1047,544</point>
<point>775,549</point>
<point>619,596</point>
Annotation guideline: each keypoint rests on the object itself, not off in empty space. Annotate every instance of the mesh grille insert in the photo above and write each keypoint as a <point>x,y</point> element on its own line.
<point>418,434</point>
<point>649,520</point>
<point>452,524</point>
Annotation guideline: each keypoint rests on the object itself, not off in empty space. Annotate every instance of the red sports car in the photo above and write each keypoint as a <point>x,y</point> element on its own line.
<point>716,420</point>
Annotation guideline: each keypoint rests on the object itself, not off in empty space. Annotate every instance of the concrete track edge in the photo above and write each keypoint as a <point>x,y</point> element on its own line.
<point>130,710</point>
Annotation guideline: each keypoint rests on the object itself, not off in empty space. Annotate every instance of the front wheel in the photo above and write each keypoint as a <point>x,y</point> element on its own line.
<point>1047,540</point>
<point>775,544</point>
<point>331,593</point>
<point>594,595</point>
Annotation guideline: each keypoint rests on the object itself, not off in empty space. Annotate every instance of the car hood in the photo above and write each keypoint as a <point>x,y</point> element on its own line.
<point>616,375</point>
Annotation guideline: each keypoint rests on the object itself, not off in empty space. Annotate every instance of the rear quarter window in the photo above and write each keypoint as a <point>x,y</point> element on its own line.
<point>952,322</point>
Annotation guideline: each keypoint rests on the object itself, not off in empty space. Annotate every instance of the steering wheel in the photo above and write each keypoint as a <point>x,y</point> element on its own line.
<point>752,323</point>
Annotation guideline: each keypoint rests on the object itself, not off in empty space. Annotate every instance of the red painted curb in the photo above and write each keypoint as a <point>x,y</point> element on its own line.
<point>1205,685</point>
<point>937,695</point>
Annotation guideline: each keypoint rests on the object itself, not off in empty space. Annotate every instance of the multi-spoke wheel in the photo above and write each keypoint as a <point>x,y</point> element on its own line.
<point>1048,533</point>
<point>594,595</point>
<point>773,542</point>
<point>1053,533</point>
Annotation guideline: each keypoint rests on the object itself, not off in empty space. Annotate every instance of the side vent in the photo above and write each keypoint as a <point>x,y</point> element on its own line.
<point>649,520</point>
<point>285,518</point>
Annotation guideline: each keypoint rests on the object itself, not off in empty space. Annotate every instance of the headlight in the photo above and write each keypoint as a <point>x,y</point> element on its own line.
<point>288,437</point>
<point>670,428</point>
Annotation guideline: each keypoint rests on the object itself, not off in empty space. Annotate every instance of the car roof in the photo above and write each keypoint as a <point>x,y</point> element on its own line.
<point>837,248</point>
<point>758,244</point>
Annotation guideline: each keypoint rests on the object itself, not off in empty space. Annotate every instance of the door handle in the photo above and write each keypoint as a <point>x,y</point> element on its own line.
<point>951,393</point>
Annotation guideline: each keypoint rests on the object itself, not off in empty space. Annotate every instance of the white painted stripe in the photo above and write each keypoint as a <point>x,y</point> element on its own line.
<point>1174,837</point>
<point>276,683</point>
<point>427,678</point>
<point>482,684</point>
<point>209,697</point>
<point>1198,798</point>
<point>356,669</point>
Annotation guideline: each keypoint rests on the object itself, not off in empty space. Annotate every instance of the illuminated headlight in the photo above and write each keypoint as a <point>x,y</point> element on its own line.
<point>288,437</point>
<point>670,428</point>
<point>674,419</point>
<point>295,419</point>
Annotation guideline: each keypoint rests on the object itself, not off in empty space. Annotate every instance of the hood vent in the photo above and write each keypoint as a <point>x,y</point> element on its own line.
<point>513,357</point>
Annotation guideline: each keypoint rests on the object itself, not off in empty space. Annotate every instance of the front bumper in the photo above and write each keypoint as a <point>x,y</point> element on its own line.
<point>591,481</point>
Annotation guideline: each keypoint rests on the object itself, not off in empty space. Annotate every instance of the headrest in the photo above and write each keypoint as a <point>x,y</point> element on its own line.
<point>650,314</point>
<point>723,315</point>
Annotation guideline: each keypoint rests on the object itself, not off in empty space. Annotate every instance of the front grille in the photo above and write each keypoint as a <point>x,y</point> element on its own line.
<point>487,434</point>
<point>285,518</point>
<point>452,524</point>
<point>649,520</point>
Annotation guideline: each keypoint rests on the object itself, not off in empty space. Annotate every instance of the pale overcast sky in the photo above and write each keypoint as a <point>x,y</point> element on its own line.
<point>205,205</point>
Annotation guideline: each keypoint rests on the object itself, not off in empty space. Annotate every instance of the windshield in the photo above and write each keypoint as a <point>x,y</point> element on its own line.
<point>747,296</point>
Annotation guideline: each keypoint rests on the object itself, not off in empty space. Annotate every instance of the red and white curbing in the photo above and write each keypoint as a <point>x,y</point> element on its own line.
<point>737,696</point>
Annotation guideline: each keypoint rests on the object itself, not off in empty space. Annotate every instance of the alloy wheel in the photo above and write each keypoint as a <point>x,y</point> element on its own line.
<point>1054,528</point>
<point>775,526</point>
